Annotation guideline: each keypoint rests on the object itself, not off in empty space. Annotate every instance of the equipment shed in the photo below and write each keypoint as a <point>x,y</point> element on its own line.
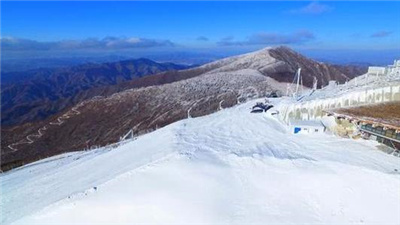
<point>306,126</point>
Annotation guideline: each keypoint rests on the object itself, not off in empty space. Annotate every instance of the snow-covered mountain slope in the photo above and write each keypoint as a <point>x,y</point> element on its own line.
<point>104,120</point>
<point>157,100</point>
<point>281,63</point>
<point>254,60</point>
<point>230,167</point>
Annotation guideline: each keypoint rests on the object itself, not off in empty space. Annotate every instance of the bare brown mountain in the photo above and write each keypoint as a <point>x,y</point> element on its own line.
<point>310,69</point>
<point>154,101</point>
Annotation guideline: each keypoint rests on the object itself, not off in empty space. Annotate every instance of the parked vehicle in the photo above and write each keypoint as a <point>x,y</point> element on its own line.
<point>261,107</point>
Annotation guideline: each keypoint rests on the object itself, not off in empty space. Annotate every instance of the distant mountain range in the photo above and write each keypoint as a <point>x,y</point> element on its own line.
<point>25,63</point>
<point>20,64</point>
<point>142,102</point>
<point>36,94</point>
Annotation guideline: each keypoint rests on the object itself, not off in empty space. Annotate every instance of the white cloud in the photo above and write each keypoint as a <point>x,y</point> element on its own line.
<point>381,34</point>
<point>312,8</point>
<point>270,38</point>
<point>20,44</point>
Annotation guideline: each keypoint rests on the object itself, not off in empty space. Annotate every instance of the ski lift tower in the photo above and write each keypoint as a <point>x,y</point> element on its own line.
<point>295,95</point>
<point>315,84</point>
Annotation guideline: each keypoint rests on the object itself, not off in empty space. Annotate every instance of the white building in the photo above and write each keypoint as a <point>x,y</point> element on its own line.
<point>395,68</point>
<point>377,70</point>
<point>388,70</point>
<point>306,126</point>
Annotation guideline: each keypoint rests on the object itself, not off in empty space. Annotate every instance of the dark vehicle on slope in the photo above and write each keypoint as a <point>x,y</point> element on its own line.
<point>261,107</point>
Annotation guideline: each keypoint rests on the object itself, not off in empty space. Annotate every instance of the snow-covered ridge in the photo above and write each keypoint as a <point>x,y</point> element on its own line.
<point>227,167</point>
<point>256,60</point>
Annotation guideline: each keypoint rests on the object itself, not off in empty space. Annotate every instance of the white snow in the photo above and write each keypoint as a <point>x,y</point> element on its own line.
<point>256,60</point>
<point>362,83</point>
<point>231,167</point>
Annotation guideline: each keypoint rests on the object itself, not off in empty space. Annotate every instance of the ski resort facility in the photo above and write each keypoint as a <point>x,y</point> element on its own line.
<point>255,161</point>
<point>367,106</point>
<point>200,113</point>
<point>306,126</point>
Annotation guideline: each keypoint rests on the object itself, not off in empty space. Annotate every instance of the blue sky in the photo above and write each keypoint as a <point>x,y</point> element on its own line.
<point>44,26</point>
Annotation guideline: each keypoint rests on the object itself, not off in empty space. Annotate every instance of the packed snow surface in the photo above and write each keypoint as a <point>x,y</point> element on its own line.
<point>231,167</point>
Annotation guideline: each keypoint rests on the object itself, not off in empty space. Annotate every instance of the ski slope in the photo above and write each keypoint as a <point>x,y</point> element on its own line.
<point>230,167</point>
